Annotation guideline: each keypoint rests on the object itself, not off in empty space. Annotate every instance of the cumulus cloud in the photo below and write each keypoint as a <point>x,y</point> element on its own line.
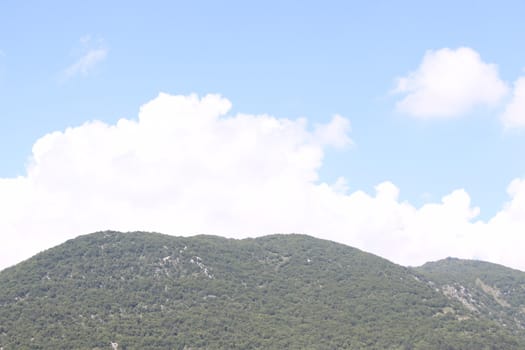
<point>449,83</point>
<point>186,167</point>
<point>92,54</point>
<point>514,113</point>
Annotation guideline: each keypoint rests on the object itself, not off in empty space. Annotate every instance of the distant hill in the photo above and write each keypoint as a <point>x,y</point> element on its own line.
<point>153,291</point>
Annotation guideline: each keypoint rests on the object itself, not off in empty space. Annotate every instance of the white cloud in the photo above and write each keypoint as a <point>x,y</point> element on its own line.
<point>449,83</point>
<point>186,167</point>
<point>90,57</point>
<point>514,114</point>
<point>334,133</point>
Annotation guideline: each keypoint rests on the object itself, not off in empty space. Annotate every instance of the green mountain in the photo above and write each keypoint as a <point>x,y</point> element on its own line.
<point>153,291</point>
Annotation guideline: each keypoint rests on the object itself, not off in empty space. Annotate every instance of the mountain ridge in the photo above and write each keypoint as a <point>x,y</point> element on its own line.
<point>280,291</point>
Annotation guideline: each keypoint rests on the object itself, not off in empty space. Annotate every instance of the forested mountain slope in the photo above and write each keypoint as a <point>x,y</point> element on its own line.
<point>153,291</point>
<point>494,291</point>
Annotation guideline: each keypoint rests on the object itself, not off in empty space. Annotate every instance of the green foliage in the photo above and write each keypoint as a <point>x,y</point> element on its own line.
<point>152,291</point>
<point>495,291</point>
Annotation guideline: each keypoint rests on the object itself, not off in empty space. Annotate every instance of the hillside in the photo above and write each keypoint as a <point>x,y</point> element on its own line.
<point>153,291</point>
<point>495,291</point>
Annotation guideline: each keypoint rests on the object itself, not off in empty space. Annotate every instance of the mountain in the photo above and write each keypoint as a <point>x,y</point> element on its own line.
<point>152,291</point>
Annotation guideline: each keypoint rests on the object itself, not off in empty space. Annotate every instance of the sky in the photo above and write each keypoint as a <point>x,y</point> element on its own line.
<point>394,127</point>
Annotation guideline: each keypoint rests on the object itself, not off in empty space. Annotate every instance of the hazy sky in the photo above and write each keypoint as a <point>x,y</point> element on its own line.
<point>397,127</point>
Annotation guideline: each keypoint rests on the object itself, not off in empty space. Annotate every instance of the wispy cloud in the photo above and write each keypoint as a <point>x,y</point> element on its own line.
<point>86,63</point>
<point>92,55</point>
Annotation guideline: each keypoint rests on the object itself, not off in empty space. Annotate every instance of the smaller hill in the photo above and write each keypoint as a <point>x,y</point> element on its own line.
<point>494,291</point>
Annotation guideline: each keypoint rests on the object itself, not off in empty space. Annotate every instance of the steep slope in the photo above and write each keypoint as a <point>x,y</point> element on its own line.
<point>152,291</point>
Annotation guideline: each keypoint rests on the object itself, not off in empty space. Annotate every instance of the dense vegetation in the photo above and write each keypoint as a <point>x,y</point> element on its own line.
<point>152,291</point>
<point>495,291</point>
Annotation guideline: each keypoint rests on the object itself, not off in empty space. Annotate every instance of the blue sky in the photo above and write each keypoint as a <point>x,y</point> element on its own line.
<point>63,65</point>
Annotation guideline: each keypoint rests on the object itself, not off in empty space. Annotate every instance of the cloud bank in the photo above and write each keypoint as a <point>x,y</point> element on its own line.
<point>186,167</point>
